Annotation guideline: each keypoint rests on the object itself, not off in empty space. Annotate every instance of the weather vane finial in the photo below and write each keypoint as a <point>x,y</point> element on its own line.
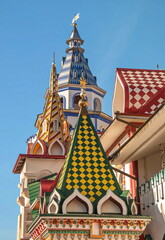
<point>76,17</point>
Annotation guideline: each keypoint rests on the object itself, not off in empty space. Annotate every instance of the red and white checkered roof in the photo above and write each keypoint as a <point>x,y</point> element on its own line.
<point>144,89</point>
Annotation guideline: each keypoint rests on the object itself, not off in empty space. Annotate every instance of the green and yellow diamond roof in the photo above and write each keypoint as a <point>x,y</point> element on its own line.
<point>87,167</point>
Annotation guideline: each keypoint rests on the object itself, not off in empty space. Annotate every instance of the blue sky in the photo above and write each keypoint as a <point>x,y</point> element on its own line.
<point>117,33</point>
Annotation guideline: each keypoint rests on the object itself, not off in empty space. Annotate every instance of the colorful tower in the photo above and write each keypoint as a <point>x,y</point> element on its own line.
<point>84,201</point>
<point>75,66</point>
<point>46,151</point>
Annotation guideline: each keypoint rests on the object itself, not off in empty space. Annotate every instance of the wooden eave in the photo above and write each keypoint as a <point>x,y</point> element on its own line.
<point>22,157</point>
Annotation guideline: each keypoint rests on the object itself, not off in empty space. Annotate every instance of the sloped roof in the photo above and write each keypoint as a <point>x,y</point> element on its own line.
<point>75,36</point>
<point>72,68</point>
<point>87,167</point>
<point>143,90</point>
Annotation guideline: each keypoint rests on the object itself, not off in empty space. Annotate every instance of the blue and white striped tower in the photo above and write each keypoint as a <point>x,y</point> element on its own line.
<point>74,67</point>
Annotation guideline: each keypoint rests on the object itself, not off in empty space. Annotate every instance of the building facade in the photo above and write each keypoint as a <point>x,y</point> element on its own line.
<point>137,146</point>
<point>46,150</point>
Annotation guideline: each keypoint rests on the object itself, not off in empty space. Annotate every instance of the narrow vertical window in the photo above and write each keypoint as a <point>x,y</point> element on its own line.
<point>56,125</point>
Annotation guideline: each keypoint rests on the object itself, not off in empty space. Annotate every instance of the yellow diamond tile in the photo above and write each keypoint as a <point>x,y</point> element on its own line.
<point>81,164</point>
<point>100,153</point>
<point>110,175</point>
<point>86,137</point>
<point>92,199</point>
<point>94,153</point>
<point>82,175</point>
<point>94,158</point>
<point>91,193</point>
<point>74,158</point>
<point>87,153</point>
<point>82,170</point>
<point>104,182</point>
<point>82,181</point>
<point>87,147</point>
<point>112,188</point>
<point>96,170</point>
<point>79,132</point>
<point>93,137</point>
<point>79,137</point>
<point>89,175</point>
<point>88,164</point>
<point>68,187</point>
<point>93,143</point>
<point>102,164</point>
<point>95,164</point>
<point>74,169</point>
<point>75,181</point>
<point>90,187</point>
<point>101,158</point>
<point>84,193</point>
<point>86,142</point>
<point>98,187</point>
<point>74,152</point>
<point>98,193</point>
<point>75,175</point>
<point>68,181</point>
<point>90,181</point>
<point>89,170</point>
<point>80,147</point>
<point>83,187</point>
<point>85,127</point>
<point>103,175</point>
<point>103,170</point>
<point>80,153</point>
<point>69,175</point>
<point>93,148</point>
<point>88,158</point>
<point>112,182</point>
<point>97,181</point>
<point>81,158</point>
<point>105,187</point>
<point>85,121</point>
<point>86,132</point>
<point>84,116</point>
<point>74,164</point>
<point>79,142</point>
<point>96,175</point>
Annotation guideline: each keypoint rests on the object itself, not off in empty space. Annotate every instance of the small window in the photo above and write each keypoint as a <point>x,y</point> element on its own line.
<point>82,73</point>
<point>75,73</point>
<point>44,126</point>
<point>76,58</point>
<point>75,43</point>
<point>56,125</point>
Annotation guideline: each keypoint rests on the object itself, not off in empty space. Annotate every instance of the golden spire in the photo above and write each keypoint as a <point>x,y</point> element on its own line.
<point>83,101</point>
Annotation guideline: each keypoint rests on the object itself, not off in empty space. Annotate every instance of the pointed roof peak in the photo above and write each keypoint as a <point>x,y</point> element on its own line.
<point>75,35</point>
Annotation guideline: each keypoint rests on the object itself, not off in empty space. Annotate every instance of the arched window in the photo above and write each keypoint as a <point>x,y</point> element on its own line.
<point>56,148</point>
<point>76,100</point>
<point>63,101</point>
<point>76,58</point>
<point>97,104</point>
<point>83,73</point>
<point>75,73</point>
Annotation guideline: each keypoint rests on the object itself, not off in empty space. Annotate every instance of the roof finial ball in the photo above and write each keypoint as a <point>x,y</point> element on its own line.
<point>83,101</point>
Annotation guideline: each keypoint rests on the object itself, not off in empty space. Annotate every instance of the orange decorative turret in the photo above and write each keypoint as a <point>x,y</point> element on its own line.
<point>53,132</point>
